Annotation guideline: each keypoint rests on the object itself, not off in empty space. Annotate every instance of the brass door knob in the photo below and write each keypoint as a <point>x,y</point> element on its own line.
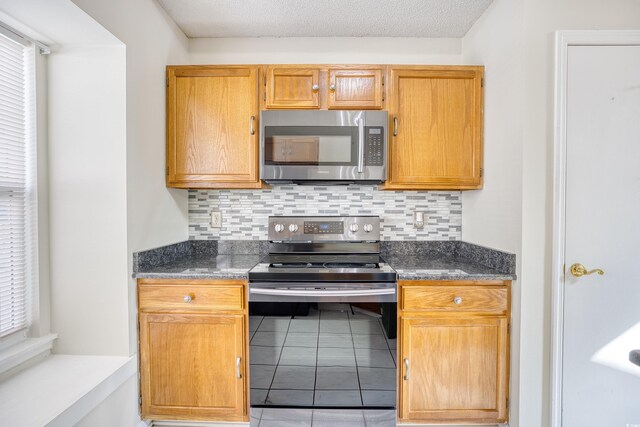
<point>580,270</point>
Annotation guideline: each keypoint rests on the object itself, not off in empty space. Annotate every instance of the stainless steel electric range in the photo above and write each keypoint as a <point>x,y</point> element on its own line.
<point>322,324</point>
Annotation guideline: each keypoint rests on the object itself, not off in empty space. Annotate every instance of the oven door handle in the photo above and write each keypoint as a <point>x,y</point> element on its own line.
<point>322,292</point>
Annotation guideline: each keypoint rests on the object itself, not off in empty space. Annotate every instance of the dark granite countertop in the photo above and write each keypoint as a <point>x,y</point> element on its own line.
<point>442,267</point>
<point>224,266</point>
<point>447,260</point>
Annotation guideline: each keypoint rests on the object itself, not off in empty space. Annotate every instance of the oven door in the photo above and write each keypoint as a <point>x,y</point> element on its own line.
<point>344,292</point>
<point>323,145</point>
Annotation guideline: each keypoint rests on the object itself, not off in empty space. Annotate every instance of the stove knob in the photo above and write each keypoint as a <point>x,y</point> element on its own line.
<point>368,228</point>
<point>279,228</point>
<point>293,228</point>
<point>353,228</point>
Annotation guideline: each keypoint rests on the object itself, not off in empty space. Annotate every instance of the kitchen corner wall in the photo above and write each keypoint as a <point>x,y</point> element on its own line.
<point>245,212</point>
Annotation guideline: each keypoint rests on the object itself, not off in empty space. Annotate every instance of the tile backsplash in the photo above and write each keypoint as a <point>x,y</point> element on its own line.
<point>245,212</point>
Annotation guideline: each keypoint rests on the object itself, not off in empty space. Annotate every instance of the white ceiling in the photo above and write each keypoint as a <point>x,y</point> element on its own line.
<point>325,18</point>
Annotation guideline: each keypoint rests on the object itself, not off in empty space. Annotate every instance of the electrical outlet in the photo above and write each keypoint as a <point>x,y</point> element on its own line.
<point>216,219</point>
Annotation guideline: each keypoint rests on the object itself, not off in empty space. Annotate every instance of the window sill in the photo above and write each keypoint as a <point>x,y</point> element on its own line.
<point>61,390</point>
<point>24,351</point>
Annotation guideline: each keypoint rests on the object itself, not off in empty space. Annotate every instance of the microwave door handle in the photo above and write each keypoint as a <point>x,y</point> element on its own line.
<point>360,145</point>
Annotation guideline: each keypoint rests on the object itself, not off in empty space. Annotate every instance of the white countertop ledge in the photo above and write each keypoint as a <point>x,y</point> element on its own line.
<point>62,389</point>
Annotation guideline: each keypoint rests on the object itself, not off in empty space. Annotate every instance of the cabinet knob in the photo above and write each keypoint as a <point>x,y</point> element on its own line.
<point>457,300</point>
<point>187,299</point>
<point>332,87</point>
<point>315,88</point>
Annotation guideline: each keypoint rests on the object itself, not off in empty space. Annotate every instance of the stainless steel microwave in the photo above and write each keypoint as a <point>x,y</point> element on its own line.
<point>307,147</point>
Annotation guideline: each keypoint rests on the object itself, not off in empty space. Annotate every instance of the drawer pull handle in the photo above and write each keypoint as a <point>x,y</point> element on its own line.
<point>315,88</point>
<point>238,373</point>
<point>406,369</point>
<point>457,300</point>
<point>187,299</point>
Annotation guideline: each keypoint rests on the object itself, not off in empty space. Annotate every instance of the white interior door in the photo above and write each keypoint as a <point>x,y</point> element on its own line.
<point>600,387</point>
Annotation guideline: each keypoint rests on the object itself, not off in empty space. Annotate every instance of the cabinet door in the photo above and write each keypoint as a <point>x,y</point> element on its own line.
<point>212,129</point>
<point>292,88</point>
<point>192,366</point>
<point>358,89</point>
<point>454,370</point>
<point>435,128</point>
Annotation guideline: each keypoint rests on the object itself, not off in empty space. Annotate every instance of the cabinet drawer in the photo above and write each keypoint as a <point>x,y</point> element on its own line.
<point>455,299</point>
<point>191,297</point>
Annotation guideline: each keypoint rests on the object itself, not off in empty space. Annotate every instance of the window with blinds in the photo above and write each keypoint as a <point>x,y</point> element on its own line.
<point>18,220</point>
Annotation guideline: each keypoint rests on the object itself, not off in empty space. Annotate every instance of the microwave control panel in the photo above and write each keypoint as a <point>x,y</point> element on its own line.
<point>374,146</point>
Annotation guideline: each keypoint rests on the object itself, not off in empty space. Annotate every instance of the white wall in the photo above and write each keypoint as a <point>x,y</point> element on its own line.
<point>493,216</point>
<point>541,19</point>
<point>87,208</point>
<point>515,41</point>
<point>105,168</point>
<point>155,215</point>
<point>324,50</point>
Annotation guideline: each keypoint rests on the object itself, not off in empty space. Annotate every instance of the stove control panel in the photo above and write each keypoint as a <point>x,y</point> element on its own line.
<point>324,228</point>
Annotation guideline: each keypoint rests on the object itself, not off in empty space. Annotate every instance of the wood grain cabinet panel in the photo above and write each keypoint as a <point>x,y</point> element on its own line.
<point>193,352</point>
<point>436,127</point>
<point>294,87</point>
<point>453,359</point>
<point>323,87</point>
<point>361,89</point>
<point>191,297</point>
<point>191,367</point>
<point>212,127</point>
<point>454,370</point>
<point>481,299</point>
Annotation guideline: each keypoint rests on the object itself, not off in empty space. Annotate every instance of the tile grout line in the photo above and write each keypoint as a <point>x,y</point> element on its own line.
<point>278,362</point>
<point>315,378</point>
<point>355,356</point>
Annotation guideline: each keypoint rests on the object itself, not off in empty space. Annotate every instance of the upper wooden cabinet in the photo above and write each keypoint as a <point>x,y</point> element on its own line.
<point>323,87</point>
<point>292,87</point>
<point>360,89</point>
<point>212,127</point>
<point>435,119</point>
<point>436,127</point>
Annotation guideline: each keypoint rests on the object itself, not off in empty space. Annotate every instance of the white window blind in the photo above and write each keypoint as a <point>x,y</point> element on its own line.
<point>18,219</point>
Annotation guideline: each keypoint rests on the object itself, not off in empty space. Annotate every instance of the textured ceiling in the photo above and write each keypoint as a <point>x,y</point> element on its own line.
<point>325,18</point>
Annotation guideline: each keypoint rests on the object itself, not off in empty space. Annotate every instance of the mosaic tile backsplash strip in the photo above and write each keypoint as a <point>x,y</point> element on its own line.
<point>245,212</point>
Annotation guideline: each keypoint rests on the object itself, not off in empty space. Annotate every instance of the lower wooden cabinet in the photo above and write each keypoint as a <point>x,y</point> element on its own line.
<point>453,363</point>
<point>193,357</point>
